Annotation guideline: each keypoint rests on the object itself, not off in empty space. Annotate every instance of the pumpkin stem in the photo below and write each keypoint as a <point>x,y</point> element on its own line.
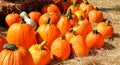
<point>71,30</point>
<point>75,3</point>
<point>81,18</point>
<point>108,23</point>
<point>96,8</point>
<point>11,47</point>
<point>69,15</point>
<point>42,45</point>
<point>62,37</point>
<point>95,31</point>
<point>22,22</point>
<point>48,21</point>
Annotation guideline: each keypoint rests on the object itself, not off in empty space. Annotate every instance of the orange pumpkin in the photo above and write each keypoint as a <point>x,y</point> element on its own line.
<point>80,13</point>
<point>48,32</point>
<point>12,18</point>
<point>2,42</point>
<point>54,8</point>
<point>81,30</point>
<point>35,16</point>
<point>72,18</point>
<point>21,34</point>
<point>53,18</point>
<point>60,49</point>
<point>74,7</point>
<point>94,40</point>
<point>95,16</point>
<point>105,28</point>
<point>79,47</point>
<point>86,7</point>
<point>63,24</point>
<point>40,53</point>
<point>15,55</point>
<point>86,23</point>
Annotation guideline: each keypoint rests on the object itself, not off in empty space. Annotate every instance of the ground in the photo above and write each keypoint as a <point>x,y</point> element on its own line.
<point>109,54</point>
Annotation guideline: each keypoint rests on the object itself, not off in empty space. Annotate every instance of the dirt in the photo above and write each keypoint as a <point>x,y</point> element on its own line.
<point>109,54</point>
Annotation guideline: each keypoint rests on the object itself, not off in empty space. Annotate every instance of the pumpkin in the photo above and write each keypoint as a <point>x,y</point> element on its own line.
<point>2,42</point>
<point>15,55</point>
<point>105,28</point>
<point>35,15</point>
<point>95,16</point>
<point>21,34</point>
<point>12,18</point>
<point>80,29</point>
<point>79,13</point>
<point>48,32</point>
<point>86,7</point>
<point>86,23</point>
<point>69,34</point>
<point>63,24</point>
<point>74,7</point>
<point>78,46</point>
<point>40,53</point>
<point>60,49</point>
<point>94,40</point>
<point>28,20</point>
<point>54,8</point>
<point>72,18</point>
<point>53,18</point>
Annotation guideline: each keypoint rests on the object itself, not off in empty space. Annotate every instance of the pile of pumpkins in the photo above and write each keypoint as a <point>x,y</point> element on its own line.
<point>35,38</point>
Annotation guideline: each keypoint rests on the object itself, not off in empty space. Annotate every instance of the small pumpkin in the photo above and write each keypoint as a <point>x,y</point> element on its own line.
<point>12,18</point>
<point>105,28</point>
<point>72,18</point>
<point>86,7</point>
<point>40,53</point>
<point>74,7</point>
<point>86,23</point>
<point>54,8</point>
<point>64,24</point>
<point>80,29</point>
<point>94,40</point>
<point>79,13</point>
<point>48,32</point>
<point>35,15</point>
<point>60,49</point>
<point>78,46</point>
<point>95,16</point>
<point>21,34</point>
<point>53,18</point>
<point>2,42</point>
<point>15,55</point>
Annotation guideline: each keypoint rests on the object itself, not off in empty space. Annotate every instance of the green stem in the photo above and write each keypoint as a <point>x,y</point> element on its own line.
<point>48,21</point>
<point>108,23</point>
<point>75,3</point>
<point>42,45</point>
<point>81,18</point>
<point>95,31</point>
<point>11,47</point>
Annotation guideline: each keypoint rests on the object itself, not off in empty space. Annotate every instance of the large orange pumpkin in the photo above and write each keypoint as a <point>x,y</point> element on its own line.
<point>40,53</point>
<point>2,42</point>
<point>21,34</point>
<point>48,32</point>
<point>12,18</point>
<point>15,55</point>
<point>60,49</point>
